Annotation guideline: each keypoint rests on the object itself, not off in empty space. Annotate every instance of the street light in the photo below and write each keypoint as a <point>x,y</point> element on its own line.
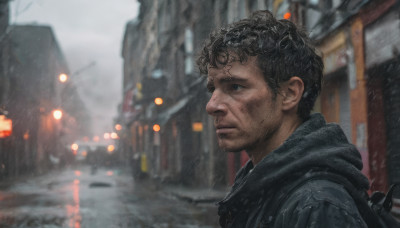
<point>118,127</point>
<point>63,78</point>
<point>57,114</point>
<point>114,135</point>
<point>110,148</point>
<point>156,128</point>
<point>158,101</point>
<point>74,146</point>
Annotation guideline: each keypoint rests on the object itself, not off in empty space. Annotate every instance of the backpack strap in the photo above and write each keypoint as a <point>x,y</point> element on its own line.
<point>382,204</point>
<point>388,201</point>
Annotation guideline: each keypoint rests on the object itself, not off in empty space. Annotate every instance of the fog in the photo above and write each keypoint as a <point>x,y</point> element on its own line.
<point>88,32</point>
<point>103,118</point>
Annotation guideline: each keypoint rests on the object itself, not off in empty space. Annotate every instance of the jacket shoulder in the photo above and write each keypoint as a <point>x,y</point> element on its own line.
<point>319,203</point>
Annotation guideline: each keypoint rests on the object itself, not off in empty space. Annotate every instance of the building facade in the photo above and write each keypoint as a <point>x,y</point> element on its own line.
<point>359,63</point>
<point>32,61</point>
<point>360,91</point>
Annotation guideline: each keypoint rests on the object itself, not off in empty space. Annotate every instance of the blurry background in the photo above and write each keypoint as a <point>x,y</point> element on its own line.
<point>89,34</point>
<point>114,84</point>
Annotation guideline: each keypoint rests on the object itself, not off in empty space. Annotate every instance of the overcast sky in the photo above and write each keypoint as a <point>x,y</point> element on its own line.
<point>87,31</point>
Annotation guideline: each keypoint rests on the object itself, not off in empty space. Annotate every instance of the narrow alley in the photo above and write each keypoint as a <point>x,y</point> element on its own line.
<point>78,198</point>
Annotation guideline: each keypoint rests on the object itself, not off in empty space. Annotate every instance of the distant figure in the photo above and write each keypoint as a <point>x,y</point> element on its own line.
<point>264,76</point>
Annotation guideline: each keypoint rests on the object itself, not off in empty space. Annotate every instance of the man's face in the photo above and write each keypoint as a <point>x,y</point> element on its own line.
<point>246,112</point>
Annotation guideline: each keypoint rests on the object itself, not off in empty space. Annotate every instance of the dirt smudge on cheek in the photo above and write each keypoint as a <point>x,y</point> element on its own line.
<point>252,106</point>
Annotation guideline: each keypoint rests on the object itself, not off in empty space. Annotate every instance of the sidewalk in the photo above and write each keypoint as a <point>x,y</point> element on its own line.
<point>195,194</point>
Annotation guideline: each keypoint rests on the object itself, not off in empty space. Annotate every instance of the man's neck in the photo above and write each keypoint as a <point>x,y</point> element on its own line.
<point>256,154</point>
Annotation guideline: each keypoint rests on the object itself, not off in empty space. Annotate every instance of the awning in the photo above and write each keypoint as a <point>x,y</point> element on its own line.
<point>194,89</point>
<point>165,116</point>
<point>332,19</point>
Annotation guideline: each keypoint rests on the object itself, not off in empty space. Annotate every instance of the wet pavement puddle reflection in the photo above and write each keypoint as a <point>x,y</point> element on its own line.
<point>73,211</point>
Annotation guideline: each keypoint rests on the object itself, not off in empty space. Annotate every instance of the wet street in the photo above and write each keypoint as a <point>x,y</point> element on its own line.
<point>75,198</point>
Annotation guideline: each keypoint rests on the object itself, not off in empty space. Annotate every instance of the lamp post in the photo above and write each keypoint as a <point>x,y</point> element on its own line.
<point>56,148</point>
<point>66,83</point>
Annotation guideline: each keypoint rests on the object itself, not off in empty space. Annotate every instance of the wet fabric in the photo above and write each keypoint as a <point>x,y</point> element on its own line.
<point>315,146</point>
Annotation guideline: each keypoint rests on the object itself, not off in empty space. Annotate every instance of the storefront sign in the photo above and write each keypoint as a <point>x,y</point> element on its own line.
<point>5,126</point>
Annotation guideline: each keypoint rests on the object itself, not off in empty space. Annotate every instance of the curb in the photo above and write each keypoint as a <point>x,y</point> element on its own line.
<point>196,200</point>
<point>195,195</point>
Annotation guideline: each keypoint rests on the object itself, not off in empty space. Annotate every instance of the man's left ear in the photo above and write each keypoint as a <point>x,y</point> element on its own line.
<point>292,91</point>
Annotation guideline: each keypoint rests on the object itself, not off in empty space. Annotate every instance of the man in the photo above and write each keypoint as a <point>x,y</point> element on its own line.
<point>264,77</point>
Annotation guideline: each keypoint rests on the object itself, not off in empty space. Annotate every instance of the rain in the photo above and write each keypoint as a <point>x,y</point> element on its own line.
<point>103,118</point>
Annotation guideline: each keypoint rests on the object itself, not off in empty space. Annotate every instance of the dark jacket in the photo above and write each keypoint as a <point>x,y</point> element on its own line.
<point>314,147</point>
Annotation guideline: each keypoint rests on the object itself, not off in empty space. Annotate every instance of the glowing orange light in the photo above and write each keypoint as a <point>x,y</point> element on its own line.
<point>110,148</point>
<point>84,153</point>
<point>77,173</point>
<point>26,135</point>
<point>114,135</point>
<point>118,127</point>
<point>287,16</point>
<point>110,173</point>
<point>73,210</point>
<point>57,114</point>
<point>106,135</point>
<point>156,127</point>
<point>158,101</point>
<point>197,126</point>
<point>96,138</point>
<point>63,78</point>
<point>5,126</point>
<point>74,146</point>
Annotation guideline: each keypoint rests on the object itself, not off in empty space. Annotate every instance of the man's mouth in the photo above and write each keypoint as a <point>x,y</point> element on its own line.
<point>224,129</point>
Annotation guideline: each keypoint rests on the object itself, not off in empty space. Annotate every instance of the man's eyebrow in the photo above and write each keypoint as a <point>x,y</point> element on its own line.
<point>227,79</point>
<point>232,79</point>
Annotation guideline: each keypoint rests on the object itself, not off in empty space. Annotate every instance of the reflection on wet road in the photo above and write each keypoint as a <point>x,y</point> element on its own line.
<point>74,198</point>
<point>73,210</point>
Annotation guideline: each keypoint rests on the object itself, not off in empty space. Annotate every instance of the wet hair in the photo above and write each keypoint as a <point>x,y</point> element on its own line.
<point>282,49</point>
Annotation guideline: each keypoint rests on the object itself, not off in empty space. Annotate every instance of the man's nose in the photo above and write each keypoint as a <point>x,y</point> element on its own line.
<point>214,106</point>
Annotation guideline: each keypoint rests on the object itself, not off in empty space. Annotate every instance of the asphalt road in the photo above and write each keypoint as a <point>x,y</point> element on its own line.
<point>75,198</point>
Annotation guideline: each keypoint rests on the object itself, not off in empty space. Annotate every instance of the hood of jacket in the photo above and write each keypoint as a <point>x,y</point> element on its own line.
<point>314,145</point>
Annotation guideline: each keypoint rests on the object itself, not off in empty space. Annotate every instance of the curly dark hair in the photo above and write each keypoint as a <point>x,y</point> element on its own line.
<point>282,51</point>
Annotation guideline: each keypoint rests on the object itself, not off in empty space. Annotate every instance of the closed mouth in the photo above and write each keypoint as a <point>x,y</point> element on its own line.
<point>220,129</point>
<point>222,126</point>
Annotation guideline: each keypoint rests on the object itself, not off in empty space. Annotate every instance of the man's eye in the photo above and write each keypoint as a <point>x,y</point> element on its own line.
<point>236,87</point>
<point>211,89</point>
